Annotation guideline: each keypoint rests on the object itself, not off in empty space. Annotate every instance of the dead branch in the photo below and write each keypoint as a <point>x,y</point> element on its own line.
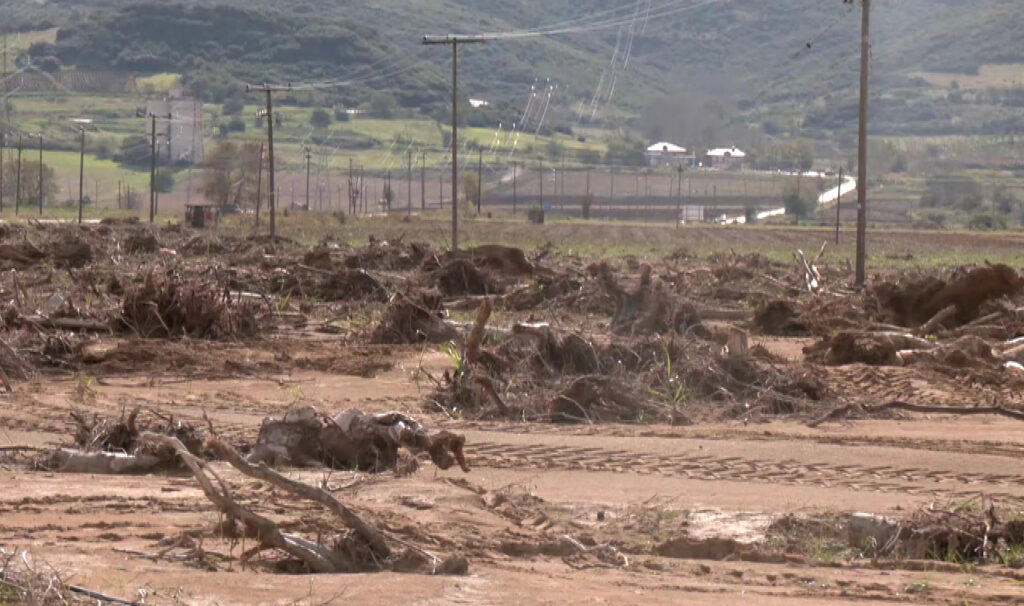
<point>811,276</point>
<point>487,384</point>
<point>936,321</point>
<point>67,323</point>
<point>318,558</point>
<point>843,411</point>
<point>476,335</point>
<point>368,532</point>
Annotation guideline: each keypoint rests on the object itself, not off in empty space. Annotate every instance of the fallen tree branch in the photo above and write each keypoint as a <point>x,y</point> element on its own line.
<point>936,321</point>
<point>487,384</point>
<point>842,411</point>
<point>318,558</point>
<point>368,532</point>
<point>476,335</point>
<point>99,596</point>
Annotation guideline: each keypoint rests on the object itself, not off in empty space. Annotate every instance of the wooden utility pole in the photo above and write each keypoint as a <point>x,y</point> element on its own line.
<point>540,171</point>
<point>611,194</point>
<point>259,186</point>
<point>351,190</point>
<point>41,174</point>
<point>839,201</point>
<point>423,180</point>
<point>479,180</point>
<point>81,176</point>
<point>152,159</point>
<point>408,166</point>
<point>308,156</point>
<point>389,193</point>
<point>3,144</point>
<point>269,114</point>
<point>862,143</point>
<point>454,41</point>
<point>17,184</point>
<point>514,176</point>
<point>679,196</point>
<point>561,182</point>
<point>440,190</point>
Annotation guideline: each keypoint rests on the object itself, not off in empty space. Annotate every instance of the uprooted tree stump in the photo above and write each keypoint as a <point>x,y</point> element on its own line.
<point>108,446</point>
<point>352,440</point>
<point>166,306</point>
<point>461,277</point>
<point>595,398</point>
<point>414,318</point>
<point>915,301</point>
<point>648,308</point>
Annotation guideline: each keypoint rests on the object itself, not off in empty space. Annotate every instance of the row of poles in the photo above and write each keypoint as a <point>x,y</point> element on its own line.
<point>454,41</point>
<point>17,187</point>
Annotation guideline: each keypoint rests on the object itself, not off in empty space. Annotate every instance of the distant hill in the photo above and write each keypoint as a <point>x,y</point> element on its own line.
<point>690,69</point>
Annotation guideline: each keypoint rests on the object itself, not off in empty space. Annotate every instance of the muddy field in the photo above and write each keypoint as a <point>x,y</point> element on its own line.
<point>197,418</point>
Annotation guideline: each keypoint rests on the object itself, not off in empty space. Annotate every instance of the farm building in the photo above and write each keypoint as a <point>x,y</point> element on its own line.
<point>664,152</point>
<point>726,157</point>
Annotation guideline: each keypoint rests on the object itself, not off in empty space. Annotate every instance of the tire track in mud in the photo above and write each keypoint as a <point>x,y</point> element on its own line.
<point>882,478</point>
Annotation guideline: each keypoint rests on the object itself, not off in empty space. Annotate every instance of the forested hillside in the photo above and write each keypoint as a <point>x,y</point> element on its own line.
<point>786,66</point>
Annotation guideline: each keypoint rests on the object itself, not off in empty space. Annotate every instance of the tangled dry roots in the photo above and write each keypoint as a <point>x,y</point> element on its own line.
<point>165,306</point>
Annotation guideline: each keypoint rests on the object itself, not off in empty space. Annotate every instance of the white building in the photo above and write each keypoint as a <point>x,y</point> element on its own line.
<point>664,152</point>
<point>726,157</point>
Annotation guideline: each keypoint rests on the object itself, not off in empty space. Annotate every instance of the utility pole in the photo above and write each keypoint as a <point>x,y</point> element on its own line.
<point>351,191</point>
<point>479,180</point>
<point>540,171</point>
<point>454,41</point>
<point>81,176</point>
<point>308,155</point>
<point>152,159</point>
<point>862,143</point>
<point>3,144</point>
<point>40,174</point>
<point>156,193</point>
<point>389,193</point>
<point>7,102</point>
<point>423,180</point>
<point>561,183</point>
<point>679,196</point>
<point>17,185</point>
<point>611,199</point>
<point>408,199</point>
<point>514,166</point>
<point>839,201</point>
<point>440,190</point>
<point>268,112</point>
<point>259,186</point>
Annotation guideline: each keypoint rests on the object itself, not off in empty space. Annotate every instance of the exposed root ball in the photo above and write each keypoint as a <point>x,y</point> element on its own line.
<point>461,277</point>
<point>413,318</point>
<point>164,306</point>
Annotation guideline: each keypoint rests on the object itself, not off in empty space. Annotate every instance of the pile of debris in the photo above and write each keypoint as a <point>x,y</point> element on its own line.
<point>165,305</point>
<point>114,446</point>
<point>352,440</point>
<point>561,376</point>
<point>968,321</point>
